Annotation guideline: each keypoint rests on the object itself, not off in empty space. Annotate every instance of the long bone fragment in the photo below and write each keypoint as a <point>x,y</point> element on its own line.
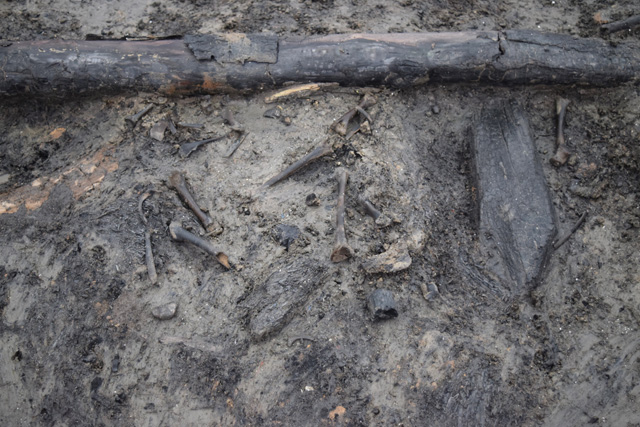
<point>179,234</point>
<point>177,181</point>
<point>318,152</point>
<point>562,153</point>
<point>341,249</point>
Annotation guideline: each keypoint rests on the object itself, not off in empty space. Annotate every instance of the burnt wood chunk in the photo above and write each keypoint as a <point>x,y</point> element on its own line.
<point>382,305</point>
<point>272,304</point>
<point>516,217</point>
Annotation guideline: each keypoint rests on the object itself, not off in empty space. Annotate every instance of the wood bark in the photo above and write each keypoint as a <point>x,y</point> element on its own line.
<point>218,63</point>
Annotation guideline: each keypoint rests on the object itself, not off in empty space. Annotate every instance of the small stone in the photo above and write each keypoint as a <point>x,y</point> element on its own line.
<point>165,312</point>
<point>429,291</point>
<point>382,305</point>
<point>383,221</point>
<point>312,200</point>
<point>286,234</point>
<point>273,113</point>
<point>286,120</point>
<point>435,109</point>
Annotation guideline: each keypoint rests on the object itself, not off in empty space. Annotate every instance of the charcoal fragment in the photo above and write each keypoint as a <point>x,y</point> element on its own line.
<point>382,305</point>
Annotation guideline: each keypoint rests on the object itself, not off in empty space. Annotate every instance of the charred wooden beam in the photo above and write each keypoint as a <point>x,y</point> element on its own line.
<point>217,63</point>
<point>515,215</point>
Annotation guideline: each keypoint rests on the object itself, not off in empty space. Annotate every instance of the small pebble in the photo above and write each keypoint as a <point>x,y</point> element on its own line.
<point>273,113</point>
<point>286,234</point>
<point>435,109</point>
<point>165,312</point>
<point>312,200</point>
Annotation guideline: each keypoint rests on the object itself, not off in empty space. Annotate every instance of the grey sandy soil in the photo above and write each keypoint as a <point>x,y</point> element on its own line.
<point>79,343</point>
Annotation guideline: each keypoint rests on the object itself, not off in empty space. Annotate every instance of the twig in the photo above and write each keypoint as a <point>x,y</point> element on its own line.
<point>577,225</point>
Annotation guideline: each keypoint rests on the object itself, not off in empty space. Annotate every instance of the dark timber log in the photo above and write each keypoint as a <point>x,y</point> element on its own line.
<point>216,63</point>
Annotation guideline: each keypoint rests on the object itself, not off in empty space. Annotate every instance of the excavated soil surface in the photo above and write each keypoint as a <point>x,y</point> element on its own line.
<point>285,337</point>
